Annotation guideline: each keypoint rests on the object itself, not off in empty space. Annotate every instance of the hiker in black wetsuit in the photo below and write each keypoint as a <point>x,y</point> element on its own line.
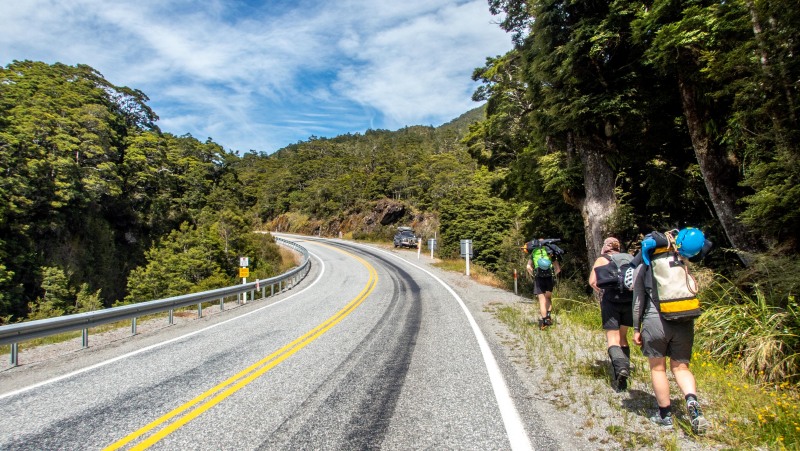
<point>616,311</point>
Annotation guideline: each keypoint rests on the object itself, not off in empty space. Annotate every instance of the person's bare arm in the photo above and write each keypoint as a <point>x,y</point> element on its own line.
<point>592,277</point>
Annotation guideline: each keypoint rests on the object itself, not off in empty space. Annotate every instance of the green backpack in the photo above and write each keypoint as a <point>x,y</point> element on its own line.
<point>539,253</point>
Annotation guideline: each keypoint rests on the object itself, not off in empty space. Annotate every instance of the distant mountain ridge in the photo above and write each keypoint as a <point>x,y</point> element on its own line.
<point>461,123</point>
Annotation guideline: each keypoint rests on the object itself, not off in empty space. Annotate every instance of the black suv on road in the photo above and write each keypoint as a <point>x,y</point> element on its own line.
<point>405,237</point>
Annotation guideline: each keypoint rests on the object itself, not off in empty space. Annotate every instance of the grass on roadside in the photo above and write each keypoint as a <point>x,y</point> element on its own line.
<point>745,414</point>
<point>476,272</point>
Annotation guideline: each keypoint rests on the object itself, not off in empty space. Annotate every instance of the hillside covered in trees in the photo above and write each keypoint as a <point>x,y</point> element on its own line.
<point>607,118</point>
<point>98,207</point>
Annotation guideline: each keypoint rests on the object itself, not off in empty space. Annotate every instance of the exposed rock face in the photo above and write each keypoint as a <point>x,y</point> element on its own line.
<point>380,221</point>
<point>389,211</point>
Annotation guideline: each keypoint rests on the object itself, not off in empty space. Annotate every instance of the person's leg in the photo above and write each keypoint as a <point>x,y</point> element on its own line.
<point>683,377</point>
<point>620,357</point>
<point>622,339</point>
<point>543,305</point>
<point>612,338</point>
<point>548,296</point>
<point>688,385</point>
<point>658,375</point>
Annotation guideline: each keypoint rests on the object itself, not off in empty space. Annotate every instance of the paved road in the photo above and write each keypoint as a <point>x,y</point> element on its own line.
<point>371,351</point>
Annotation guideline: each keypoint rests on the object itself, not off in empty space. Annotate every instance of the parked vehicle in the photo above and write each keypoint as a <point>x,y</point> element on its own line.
<point>405,237</point>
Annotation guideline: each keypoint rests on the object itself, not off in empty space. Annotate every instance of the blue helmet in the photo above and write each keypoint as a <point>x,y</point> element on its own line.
<point>543,263</point>
<point>690,242</point>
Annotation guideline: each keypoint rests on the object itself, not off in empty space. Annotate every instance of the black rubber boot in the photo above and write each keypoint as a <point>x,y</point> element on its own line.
<point>621,363</point>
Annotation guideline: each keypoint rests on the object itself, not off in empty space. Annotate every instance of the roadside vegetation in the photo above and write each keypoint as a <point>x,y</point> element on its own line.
<point>742,352</point>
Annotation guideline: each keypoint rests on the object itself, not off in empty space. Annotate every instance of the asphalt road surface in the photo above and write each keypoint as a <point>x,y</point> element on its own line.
<point>370,351</point>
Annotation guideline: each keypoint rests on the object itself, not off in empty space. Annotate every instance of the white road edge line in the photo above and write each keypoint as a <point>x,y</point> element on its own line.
<point>148,348</point>
<point>511,419</point>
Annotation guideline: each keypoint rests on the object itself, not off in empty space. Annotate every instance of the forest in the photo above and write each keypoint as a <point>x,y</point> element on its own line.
<point>606,118</point>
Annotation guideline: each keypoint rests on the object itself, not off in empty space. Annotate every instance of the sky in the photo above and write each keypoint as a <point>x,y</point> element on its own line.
<point>260,75</point>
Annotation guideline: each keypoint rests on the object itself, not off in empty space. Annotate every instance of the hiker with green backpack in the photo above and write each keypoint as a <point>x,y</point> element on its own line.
<point>543,266</point>
<point>616,309</point>
<point>665,304</point>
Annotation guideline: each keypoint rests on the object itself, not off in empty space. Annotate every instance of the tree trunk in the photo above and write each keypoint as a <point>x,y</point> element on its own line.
<point>600,201</point>
<point>720,171</point>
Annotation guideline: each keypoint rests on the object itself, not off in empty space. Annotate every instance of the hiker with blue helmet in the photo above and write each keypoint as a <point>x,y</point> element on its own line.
<point>665,304</point>
<point>543,267</point>
<point>616,309</point>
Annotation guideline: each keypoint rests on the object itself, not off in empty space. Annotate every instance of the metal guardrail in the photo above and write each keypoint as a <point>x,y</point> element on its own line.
<point>14,333</point>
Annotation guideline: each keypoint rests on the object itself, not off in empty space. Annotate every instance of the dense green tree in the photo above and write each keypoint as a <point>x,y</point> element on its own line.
<point>90,184</point>
<point>572,95</point>
<point>57,295</point>
<point>475,214</point>
<point>61,132</point>
<point>683,39</point>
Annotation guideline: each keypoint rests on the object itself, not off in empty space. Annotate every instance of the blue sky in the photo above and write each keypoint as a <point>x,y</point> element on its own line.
<point>261,75</point>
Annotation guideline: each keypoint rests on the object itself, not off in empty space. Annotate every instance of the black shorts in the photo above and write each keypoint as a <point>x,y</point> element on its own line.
<point>541,285</point>
<point>616,314</point>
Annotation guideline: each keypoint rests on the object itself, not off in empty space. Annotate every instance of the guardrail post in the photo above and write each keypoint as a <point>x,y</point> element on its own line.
<point>272,289</point>
<point>133,326</point>
<point>171,318</point>
<point>221,304</point>
<point>14,354</point>
<point>263,291</point>
<point>85,338</point>
<point>200,310</point>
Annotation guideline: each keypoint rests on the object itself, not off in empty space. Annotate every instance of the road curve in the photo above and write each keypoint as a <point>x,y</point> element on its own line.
<point>369,352</point>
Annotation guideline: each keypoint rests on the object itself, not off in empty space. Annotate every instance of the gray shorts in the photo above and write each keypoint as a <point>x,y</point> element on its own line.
<point>662,338</point>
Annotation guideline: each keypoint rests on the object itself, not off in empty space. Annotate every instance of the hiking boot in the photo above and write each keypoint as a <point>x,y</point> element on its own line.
<point>546,322</point>
<point>699,422</point>
<point>664,423</point>
<point>622,379</point>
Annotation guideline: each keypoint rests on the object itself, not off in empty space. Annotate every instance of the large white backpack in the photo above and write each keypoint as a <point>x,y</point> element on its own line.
<point>674,288</point>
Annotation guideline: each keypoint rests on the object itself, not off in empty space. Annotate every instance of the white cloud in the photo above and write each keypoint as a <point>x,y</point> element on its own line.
<point>421,69</point>
<point>258,75</point>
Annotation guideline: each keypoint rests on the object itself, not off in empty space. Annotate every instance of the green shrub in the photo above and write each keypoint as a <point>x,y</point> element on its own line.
<point>752,330</point>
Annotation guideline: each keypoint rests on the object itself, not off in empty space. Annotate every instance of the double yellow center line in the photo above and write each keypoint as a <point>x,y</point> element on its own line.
<point>182,415</point>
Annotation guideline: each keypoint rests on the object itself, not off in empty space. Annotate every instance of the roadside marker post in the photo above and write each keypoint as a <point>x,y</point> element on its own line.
<point>515,282</point>
<point>466,251</point>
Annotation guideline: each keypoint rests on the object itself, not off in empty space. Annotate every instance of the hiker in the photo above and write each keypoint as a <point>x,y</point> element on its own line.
<point>543,267</point>
<point>664,308</point>
<point>616,309</point>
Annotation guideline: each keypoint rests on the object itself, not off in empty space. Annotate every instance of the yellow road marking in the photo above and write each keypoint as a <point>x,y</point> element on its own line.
<point>214,396</point>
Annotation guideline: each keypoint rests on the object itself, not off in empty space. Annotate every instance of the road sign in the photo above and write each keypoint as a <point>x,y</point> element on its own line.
<point>244,272</point>
<point>466,246</point>
<point>244,262</point>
